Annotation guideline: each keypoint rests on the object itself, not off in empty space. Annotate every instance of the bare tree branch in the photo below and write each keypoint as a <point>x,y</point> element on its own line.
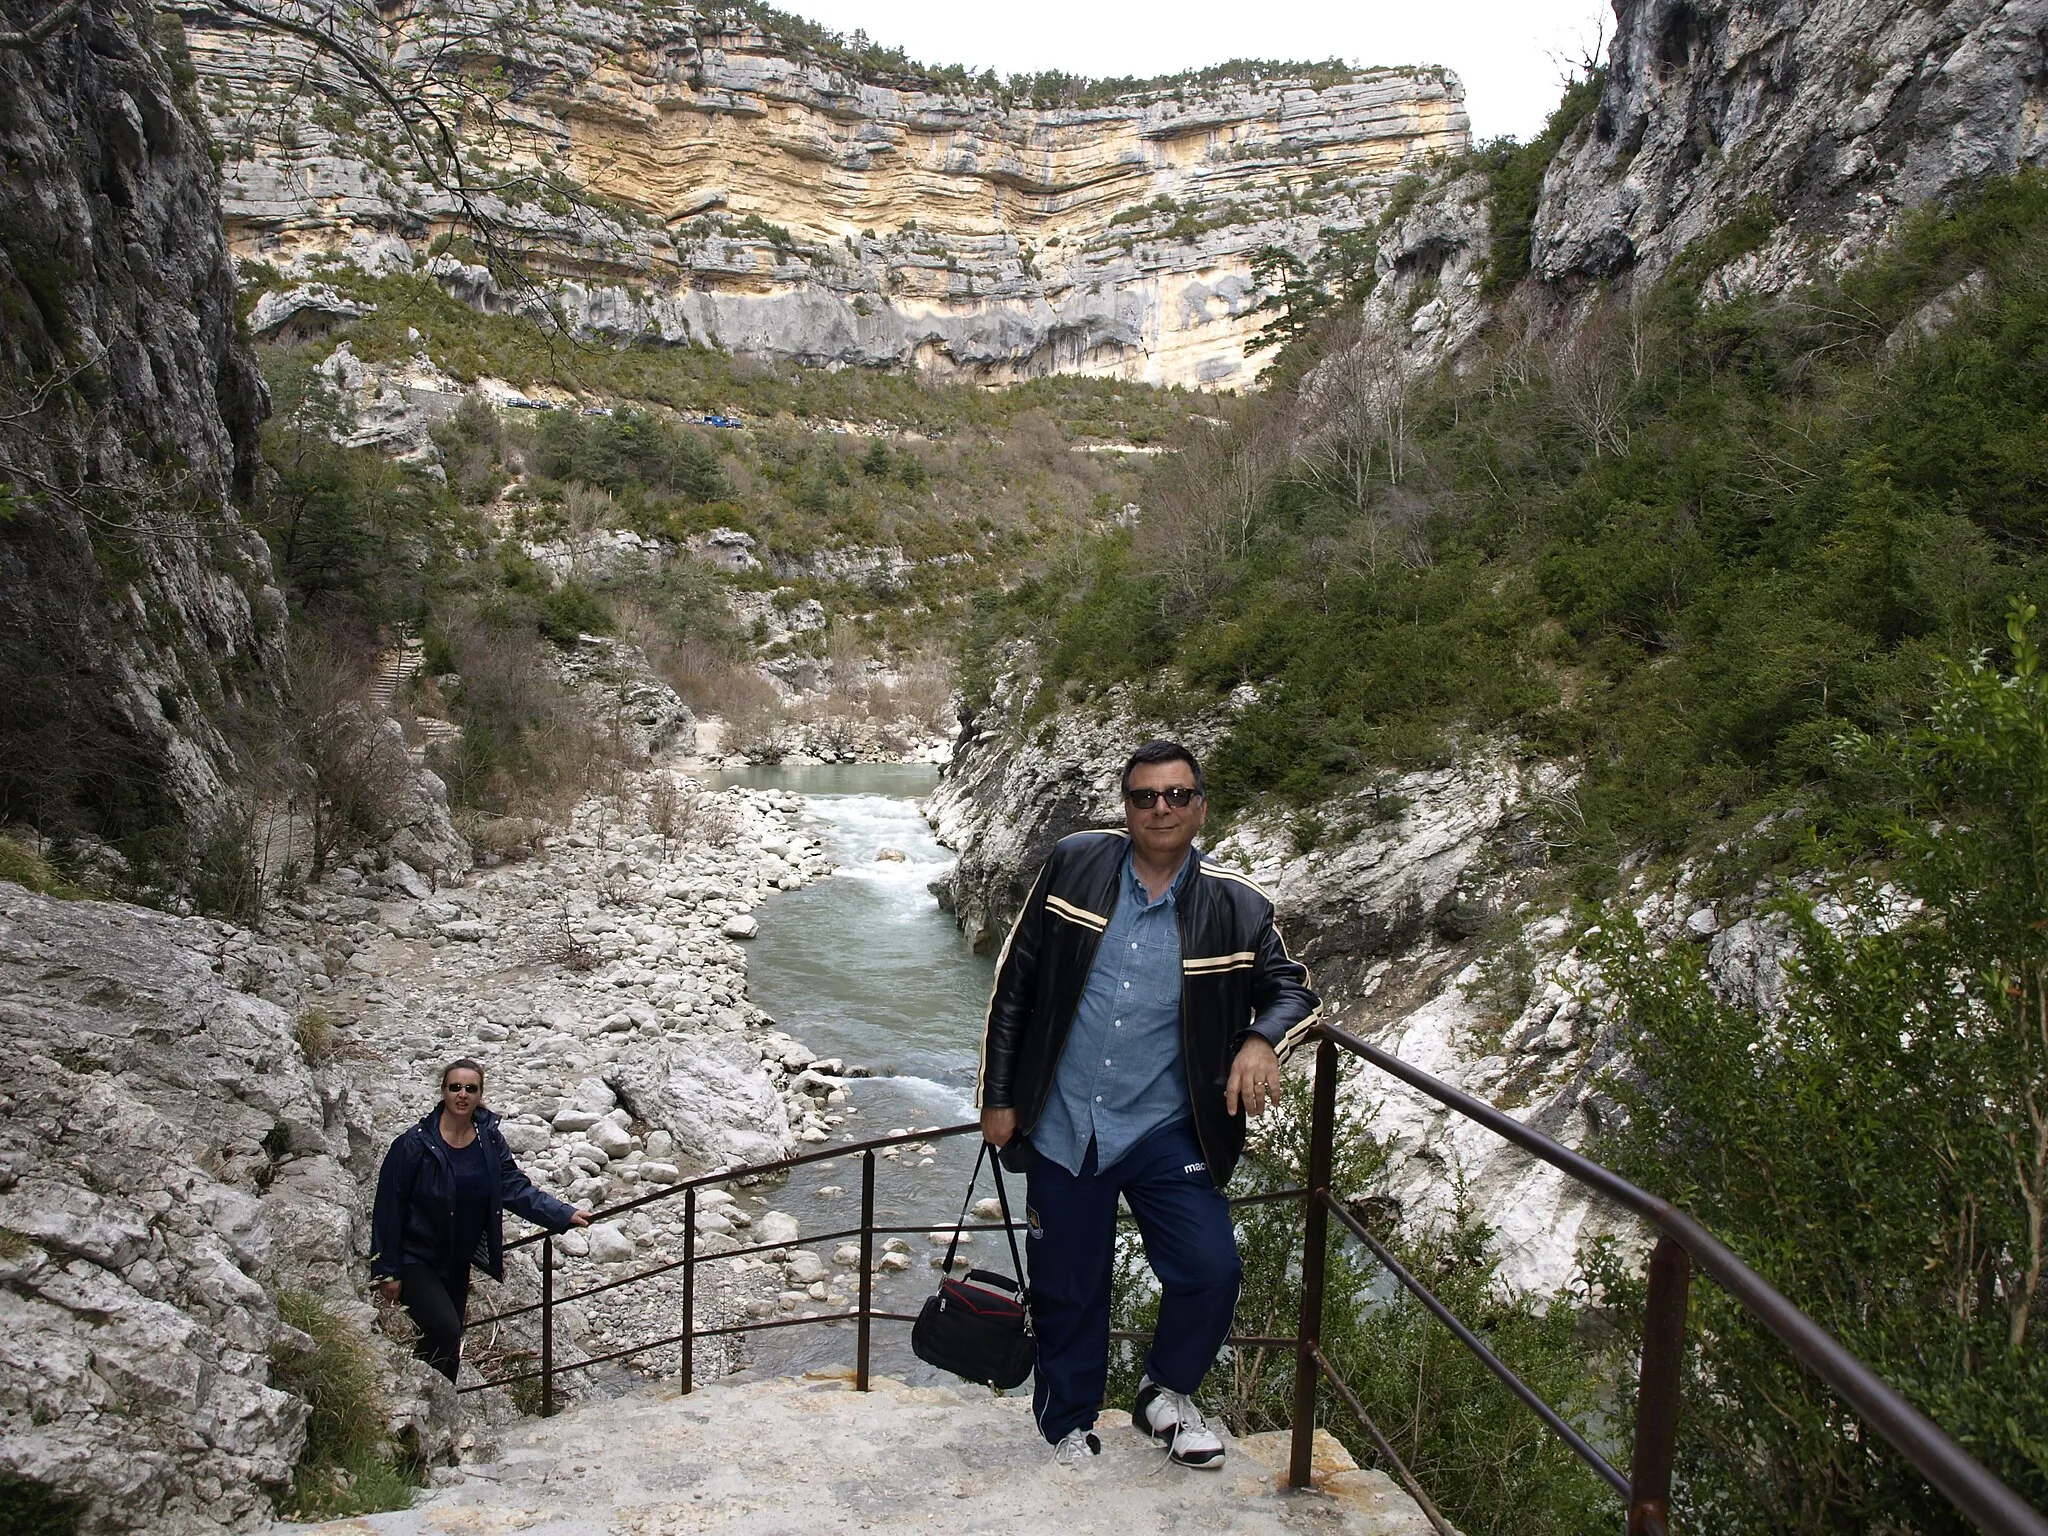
<point>37,35</point>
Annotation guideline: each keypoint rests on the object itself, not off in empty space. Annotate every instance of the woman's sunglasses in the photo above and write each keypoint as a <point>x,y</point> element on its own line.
<point>462,1088</point>
<point>1178,797</point>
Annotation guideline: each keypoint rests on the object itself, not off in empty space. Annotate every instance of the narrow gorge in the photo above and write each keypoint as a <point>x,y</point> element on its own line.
<point>614,539</point>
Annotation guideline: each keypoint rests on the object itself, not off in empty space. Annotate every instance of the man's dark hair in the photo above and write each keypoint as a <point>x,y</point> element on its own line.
<point>1165,752</point>
<point>457,1066</point>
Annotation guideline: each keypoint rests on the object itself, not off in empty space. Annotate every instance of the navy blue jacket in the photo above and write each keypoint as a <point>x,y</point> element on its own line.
<point>414,1219</point>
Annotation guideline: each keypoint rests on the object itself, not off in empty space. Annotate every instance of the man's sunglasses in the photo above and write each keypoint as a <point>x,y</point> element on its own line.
<point>462,1088</point>
<point>1178,797</point>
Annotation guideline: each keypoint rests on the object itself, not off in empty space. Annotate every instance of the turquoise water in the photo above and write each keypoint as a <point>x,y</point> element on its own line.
<point>864,966</point>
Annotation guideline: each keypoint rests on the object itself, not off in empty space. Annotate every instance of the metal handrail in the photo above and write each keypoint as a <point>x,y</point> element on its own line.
<point>864,1313</point>
<point>1682,1241</point>
<point>1960,1477</point>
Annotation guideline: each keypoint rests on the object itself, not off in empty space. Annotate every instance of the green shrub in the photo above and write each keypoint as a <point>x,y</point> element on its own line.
<point>24,866</point>
<point>348,1466</point>
<point>1877,1150</point>
<point>572,610</point>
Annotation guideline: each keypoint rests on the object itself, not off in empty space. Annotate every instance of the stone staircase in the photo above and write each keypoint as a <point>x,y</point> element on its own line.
<point>395,669</point>
<point>809,1454</point>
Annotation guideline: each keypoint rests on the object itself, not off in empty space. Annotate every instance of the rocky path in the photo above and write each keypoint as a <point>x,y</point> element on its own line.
<point>809,1455</point>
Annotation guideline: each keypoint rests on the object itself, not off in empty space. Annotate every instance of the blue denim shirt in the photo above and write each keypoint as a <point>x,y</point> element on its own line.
<point>1120,1076</point>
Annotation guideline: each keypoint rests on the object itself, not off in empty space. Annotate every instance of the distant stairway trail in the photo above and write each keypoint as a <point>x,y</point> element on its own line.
<point>809,1454</point>
<point>394,670</point>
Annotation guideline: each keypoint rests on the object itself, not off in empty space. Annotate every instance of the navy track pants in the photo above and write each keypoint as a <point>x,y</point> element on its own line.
<point>1189,1242</point>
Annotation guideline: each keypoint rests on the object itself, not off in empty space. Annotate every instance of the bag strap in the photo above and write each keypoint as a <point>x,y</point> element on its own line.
<point>1002,1198</point>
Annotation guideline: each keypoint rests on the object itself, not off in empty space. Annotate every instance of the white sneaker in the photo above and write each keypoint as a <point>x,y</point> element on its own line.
<point>1078,1449</point>
<point>1172,1419</point>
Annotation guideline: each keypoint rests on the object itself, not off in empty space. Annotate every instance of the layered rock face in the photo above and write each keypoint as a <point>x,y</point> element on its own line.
<point>1829,118</point>
<point>129,592</point>
<point>766,201</point>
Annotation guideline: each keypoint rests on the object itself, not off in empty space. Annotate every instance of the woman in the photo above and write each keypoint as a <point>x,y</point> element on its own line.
<point>440,1196</point>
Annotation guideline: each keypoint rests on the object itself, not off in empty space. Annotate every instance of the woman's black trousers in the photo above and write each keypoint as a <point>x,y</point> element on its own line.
<point>437,1303</point>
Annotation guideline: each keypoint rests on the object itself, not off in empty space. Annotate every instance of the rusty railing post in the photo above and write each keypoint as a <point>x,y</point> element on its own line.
<point>689,1287</point>
<point>867,1267</point>
<point>1649,1499</point>
<point>1314,1239</point>
<point>547,1327</point>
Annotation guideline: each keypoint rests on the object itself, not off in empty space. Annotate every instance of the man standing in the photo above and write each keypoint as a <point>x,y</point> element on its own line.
<point>1142,1005</point>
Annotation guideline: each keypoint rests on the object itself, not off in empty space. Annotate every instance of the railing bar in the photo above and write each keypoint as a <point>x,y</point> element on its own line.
<point>1422,1500</point>
<point>730,1253</point>
<point>1269,1197</point>
<point>1961,1478</point>
<point>759,1170</point>
<point>1487,1357</point>
<point>574,1365</point>
<point>688,1371</point>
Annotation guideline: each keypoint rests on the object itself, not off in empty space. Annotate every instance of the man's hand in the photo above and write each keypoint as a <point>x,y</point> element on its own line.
<point>388,1289</point>
<point>579,1218</point>
<point>998,1126</point>
<point>1254,1079</point>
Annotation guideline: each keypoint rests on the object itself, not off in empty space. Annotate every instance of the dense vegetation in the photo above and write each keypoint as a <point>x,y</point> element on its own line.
<point>1685,542</point>
<point>1879,1150</point>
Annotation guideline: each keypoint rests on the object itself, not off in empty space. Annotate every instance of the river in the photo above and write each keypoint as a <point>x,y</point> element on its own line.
<point>864,966</point>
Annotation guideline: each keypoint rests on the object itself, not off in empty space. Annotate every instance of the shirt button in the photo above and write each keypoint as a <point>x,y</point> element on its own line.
<point>1127,986</point>
<point>1119,1023</point>
<point>1098,1098</point>
<point>1134,943</point>
<point>1107,1062</point>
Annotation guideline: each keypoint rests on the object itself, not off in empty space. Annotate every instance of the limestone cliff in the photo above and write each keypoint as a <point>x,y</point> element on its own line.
<point>1821,120</point>
<point>137,614</point>
<point>760,197</point>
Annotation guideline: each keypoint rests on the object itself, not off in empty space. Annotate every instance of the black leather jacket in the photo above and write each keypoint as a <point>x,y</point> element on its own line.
<point>414,1218</point>
<point>1236,979</point>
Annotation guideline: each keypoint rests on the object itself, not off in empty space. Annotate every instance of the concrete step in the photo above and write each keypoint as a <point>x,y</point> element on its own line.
<point>809,1454</point>
<point>394,670</point>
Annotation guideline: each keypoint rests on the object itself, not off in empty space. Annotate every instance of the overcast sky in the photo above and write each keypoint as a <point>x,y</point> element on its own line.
<point>1511,54</point>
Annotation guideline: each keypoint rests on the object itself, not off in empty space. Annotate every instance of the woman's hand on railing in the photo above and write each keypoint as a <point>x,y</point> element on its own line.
<point>998,1126</point>
<point>579,1218</point>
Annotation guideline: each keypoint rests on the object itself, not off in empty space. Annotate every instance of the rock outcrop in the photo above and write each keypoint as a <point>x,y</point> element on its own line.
<point>764,197</point>
<point>1822,121</point>
<point>131,595</point>
<point>656,1461</point>
<point>167,1158</point>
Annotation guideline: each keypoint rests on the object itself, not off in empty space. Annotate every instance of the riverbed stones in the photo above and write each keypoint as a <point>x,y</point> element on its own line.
<point>777,1227</point>
<point>740,926</point>
<point>609,1243</point>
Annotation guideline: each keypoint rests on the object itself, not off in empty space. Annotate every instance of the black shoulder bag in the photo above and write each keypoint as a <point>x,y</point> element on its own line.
<point>979,1326</point>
